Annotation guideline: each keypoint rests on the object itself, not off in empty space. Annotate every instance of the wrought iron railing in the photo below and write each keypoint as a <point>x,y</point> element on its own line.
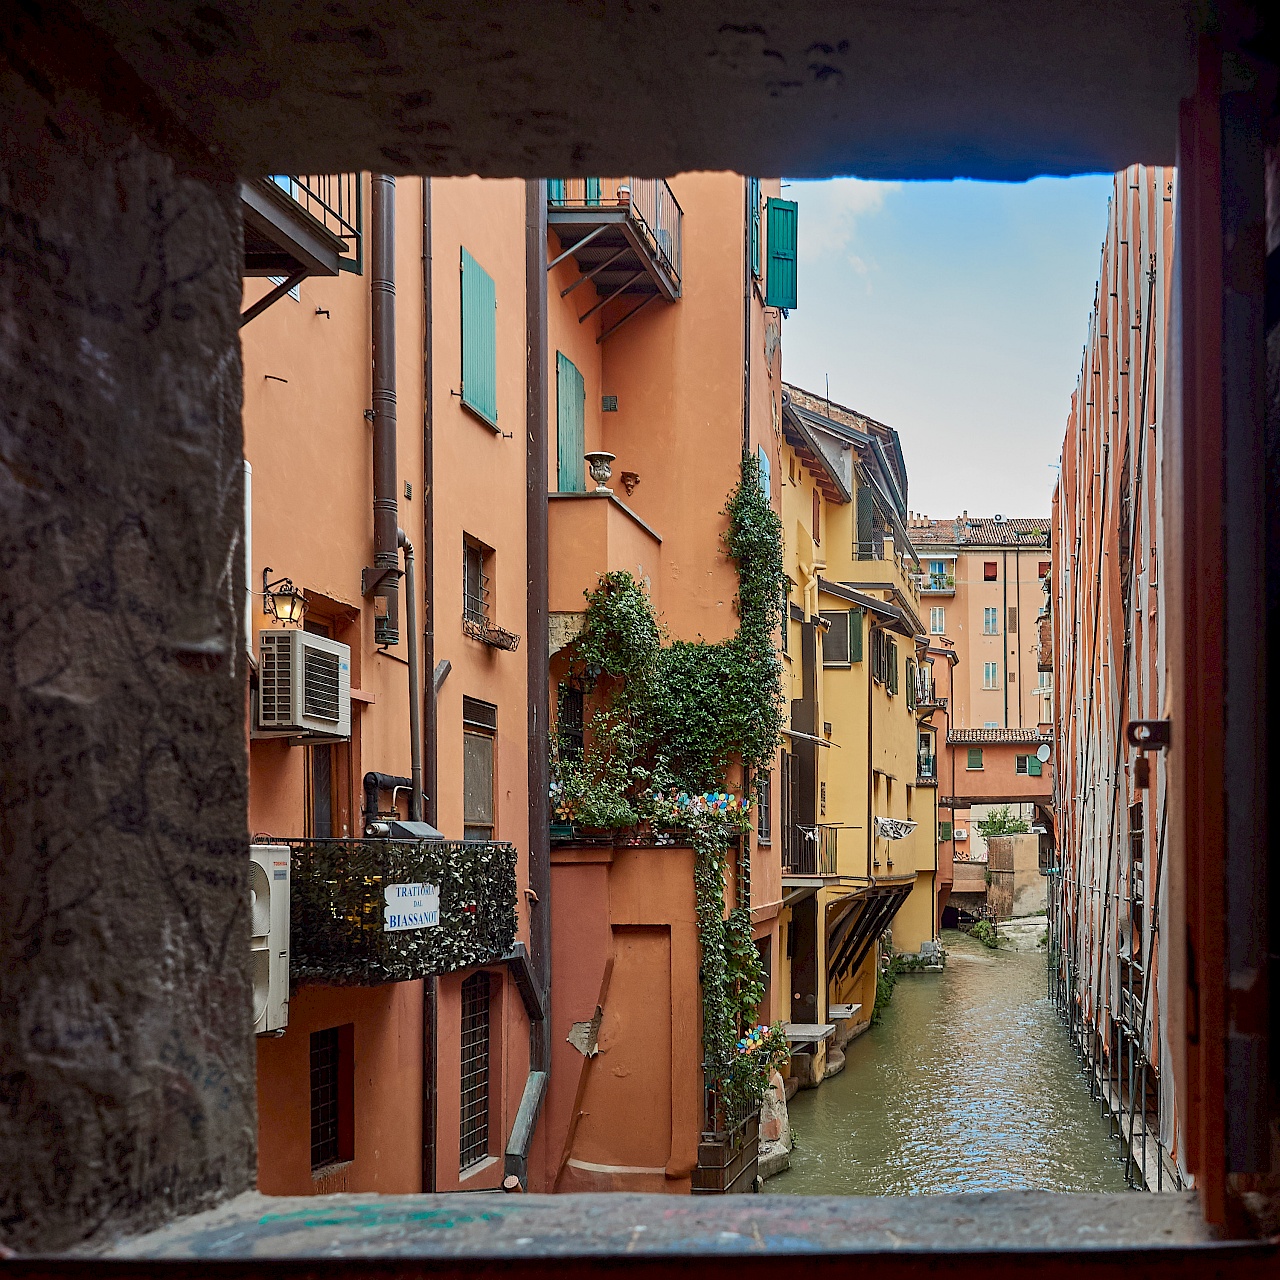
<point>342,926</point>
<point>927,770</point>
<point>813,851</point>
<point>936,582</point>
<point>651,208</point>
<point>336,200</point>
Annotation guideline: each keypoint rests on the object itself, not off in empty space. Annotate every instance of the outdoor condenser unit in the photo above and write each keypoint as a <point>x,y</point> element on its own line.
<point>304,685</point>
<point>269,930</point>
<point>961,833</point>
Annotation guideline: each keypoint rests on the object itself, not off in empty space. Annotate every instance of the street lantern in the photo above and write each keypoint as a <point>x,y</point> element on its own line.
<point>282,600</point>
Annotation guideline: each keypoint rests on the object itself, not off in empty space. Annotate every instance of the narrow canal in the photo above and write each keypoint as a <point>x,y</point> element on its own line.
<point>969,1083</point>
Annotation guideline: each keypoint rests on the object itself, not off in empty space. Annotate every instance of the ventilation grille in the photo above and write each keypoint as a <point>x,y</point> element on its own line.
<point>321,687</point>
<point>481,715</point>
<point>275,679</point>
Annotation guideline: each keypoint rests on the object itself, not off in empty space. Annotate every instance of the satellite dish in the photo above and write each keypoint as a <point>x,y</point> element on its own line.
<point>1043,752</point>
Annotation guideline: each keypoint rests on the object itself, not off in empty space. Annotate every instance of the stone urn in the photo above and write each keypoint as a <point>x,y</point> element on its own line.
<point>600,464</point>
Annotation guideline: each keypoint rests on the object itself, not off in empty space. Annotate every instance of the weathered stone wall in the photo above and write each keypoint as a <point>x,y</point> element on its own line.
<point>126,1075</point>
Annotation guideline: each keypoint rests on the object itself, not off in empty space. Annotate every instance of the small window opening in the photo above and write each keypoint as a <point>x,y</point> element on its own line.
<point>473,1136</point>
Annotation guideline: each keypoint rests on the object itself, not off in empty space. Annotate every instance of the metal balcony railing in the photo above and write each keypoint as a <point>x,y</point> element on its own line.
<point>813,851</point>
<point>335,200</point>
<point>927,770</point>
<point>341,931</point>
<point>728,1151</point>
<point>652,210</point>
<point>936,583</point>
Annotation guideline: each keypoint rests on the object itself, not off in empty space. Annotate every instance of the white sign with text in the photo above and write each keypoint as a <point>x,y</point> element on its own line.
<point>411,906</point>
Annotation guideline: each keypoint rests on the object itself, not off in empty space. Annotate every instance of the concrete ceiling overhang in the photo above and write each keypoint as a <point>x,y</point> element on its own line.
<point>980,88</point>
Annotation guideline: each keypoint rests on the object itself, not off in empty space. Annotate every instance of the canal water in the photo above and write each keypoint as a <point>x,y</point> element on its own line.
<point>969,1083</point>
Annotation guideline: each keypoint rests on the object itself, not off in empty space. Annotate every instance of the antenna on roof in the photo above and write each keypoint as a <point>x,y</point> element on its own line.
<point>827,376</point>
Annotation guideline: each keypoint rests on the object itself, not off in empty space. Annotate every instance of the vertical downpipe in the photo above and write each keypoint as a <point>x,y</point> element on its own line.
<point>431,780</point>
<point>537,646</point>
<point>386,515</point>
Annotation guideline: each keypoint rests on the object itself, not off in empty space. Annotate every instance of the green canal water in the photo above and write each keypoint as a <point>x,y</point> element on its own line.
<point>969,1083</point>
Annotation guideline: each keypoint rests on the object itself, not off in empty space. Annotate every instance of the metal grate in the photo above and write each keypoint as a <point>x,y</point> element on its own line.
<point>475,583</point>
<point>325,1055</point>
<point>320,684</point>
<point>274,678</point>
<point>473,1143</point>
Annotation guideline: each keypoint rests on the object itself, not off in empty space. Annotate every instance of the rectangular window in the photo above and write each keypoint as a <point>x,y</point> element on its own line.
<point>764,806</point>
<point>991,724</point>
<point>1045,680</point>
<point>1045,568</point>
<point>835,644</point>
<point>571,440</point>
<point>1020,764</point>
<point>780,226</point>
<point>911,683</point>
<point>1011,622</point>
<point>475,580</point>
<point>937,568</point>
<point>991,622</point>
<point>570,722</point>
<point>479,740</point>
<point>473,1136</point>
<point>479,341</point>
<point>332,1096</point>
<point>766,474</point>
<point>989,569</point>
<point>937,620</point>
<point>975,758</point>
<point>990,675</point>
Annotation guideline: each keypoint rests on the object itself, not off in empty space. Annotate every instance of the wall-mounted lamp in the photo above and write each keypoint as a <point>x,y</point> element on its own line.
<point>282,600</point>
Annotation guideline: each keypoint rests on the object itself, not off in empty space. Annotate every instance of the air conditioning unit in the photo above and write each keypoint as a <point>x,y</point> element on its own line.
<point>269,935</point>
<point>961,833</point>
<point>304,686</point>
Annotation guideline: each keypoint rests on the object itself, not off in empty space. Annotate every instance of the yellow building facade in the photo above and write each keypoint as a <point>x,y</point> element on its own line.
<point>859,781</point>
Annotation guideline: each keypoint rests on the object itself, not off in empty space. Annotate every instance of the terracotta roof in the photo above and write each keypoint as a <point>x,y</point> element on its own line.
<point>978,531</point>
<point>994,737</point>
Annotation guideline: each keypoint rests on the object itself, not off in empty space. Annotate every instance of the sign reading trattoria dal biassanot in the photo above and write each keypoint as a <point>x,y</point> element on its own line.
<point>411,906</point>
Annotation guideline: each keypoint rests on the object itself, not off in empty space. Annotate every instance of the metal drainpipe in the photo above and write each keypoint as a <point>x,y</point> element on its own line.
<point>1003,630</point>
<point>432,781</point>
<point>415,682</point>
<point>871,688</point>
<point>385,583</point>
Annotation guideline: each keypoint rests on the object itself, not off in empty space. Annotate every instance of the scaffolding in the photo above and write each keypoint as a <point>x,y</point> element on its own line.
<point>1107,900</point>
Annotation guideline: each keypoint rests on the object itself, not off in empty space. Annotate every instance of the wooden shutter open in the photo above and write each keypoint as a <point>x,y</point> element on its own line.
<point>855,635</point>
<point>571,399</point>
<point>866,524</point>
<point>781,225</point>
<point>479,341</point>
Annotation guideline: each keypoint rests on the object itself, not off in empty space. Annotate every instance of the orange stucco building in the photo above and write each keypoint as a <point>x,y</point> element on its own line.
<point>659,350</point>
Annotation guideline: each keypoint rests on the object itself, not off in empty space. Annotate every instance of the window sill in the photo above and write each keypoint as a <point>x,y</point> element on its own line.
<point>1003,1234</point>
<point>474,1170</point>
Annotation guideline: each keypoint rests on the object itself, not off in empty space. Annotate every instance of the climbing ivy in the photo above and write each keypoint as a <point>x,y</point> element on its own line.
<point>669,723</point>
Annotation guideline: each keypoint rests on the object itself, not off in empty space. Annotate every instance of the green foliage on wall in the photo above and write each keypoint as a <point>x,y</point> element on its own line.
<point>668,724</point>
<point>1002,822</point>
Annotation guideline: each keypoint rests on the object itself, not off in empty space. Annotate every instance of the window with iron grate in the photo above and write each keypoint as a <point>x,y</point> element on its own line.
<point>332,1096</point>
<point>473,1137</point>
<point>475,580</point>
<point>479,740</point>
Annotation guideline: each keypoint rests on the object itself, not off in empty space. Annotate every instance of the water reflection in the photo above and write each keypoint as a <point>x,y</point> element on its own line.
<point>969,1083</point>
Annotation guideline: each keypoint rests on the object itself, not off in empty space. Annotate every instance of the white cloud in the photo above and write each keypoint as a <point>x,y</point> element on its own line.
<point>829,214</point>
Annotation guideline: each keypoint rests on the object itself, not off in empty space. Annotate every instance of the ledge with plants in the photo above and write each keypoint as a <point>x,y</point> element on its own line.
<point>670,724</point>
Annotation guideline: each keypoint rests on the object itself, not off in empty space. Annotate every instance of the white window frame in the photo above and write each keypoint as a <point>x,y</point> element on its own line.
<point>991,621</point>
<point>937,620</point>
<point>990,675</point>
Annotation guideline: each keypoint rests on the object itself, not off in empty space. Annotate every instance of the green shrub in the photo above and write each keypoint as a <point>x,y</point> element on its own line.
<point>985,932</point>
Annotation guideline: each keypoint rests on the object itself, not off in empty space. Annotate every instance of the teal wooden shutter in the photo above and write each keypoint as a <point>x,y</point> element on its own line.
<point>555,191</point>
<point>593,190</point>
<point>944,831</point>
<point>479,341</point>
<point>866,523</point>
<point>753,202</point>
<point>1034,767</point>
<point>571,397</point>
<point>781,284</point>
<point>855,635</point>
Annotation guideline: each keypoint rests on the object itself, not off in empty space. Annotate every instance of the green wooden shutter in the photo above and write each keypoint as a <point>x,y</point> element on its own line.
<point>866,523</point>
<point>479,341</point>
<point>944,831</point>
<point>891,654</point>
<point>555,191</point>
<point>975,758</point>
<point>753,202</point>
<point>911,684</point>
<point>781,285</point>
<point>1034,768</point>
<point>593,190</point>
<point>855,635</point>
<point>571,443</point>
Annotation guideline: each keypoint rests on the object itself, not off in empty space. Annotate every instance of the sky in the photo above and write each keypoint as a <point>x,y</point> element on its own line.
<point>955,312</point>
